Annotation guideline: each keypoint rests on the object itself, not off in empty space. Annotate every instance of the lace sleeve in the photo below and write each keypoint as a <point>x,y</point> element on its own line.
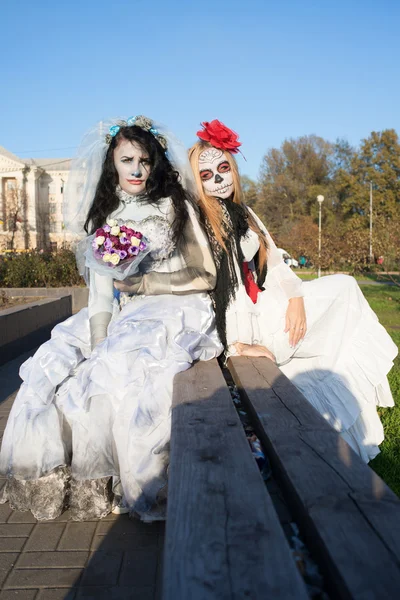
<point>279,273</point>
<point>249,245</point>
<point>190,269</point>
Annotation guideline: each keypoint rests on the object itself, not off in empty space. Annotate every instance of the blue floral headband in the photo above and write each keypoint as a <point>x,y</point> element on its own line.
<point>142,122</point>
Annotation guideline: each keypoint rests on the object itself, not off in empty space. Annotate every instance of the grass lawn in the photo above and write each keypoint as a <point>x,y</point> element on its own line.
<point>385,301</point>
<point>304,275</point>
<point>379,277</point>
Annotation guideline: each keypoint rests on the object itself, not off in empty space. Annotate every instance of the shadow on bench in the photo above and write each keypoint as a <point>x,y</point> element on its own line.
<point>223,537</point>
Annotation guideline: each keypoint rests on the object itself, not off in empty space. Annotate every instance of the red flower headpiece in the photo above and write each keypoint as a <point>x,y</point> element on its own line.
<point>219,136</point>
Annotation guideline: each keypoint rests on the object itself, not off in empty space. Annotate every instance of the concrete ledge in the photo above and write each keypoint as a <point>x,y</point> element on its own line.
<point>25,327</point>
<point>79,295</point>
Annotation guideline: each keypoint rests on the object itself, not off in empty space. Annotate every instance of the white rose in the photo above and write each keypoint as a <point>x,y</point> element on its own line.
<point>135,241</point>
<point>115,230</point>
<point>107,257</point>
<point>114,260</point>
<point>100,240</point>
<point>112,222</point>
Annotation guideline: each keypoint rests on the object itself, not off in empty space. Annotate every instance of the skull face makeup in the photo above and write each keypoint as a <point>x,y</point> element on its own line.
<point>215,173</point>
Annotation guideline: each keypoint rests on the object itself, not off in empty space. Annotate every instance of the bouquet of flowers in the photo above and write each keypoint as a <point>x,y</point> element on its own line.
<point>115,242</point>
<point>116,249</point>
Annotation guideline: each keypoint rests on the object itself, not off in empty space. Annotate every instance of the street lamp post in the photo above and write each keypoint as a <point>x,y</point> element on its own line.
<point>320,200</point>
<point>371,255</point>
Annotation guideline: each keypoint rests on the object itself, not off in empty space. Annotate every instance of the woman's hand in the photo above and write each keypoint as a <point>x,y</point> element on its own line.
<point>130,285</point>
<point>296,322</point>
<point>254,350</point>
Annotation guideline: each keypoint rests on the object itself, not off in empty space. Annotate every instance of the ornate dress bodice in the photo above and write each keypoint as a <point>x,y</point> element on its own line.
<point>153,221</point>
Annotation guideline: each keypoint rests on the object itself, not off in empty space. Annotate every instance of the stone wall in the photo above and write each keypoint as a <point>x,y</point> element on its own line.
<point>25,327</point>
<point>80,295</point>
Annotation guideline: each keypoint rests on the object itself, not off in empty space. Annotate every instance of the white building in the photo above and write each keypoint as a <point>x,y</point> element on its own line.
<point>31,198</point>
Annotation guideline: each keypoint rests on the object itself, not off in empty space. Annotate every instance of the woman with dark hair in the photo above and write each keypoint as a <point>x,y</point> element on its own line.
<point>90,426</point>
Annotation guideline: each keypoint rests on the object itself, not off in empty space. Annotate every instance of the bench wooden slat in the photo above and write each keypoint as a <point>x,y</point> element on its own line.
<point>223,537</point>
<point>387,525</point>
<point>345,511</point>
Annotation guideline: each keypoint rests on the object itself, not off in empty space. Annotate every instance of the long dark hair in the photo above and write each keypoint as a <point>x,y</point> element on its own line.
<point>163,182</point>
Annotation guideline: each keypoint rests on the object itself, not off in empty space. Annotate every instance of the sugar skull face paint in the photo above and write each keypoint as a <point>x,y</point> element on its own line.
<point>133,166</point>
<point>215,173</point>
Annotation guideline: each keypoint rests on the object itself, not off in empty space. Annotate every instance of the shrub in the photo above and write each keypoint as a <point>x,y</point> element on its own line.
<point>39,269</point>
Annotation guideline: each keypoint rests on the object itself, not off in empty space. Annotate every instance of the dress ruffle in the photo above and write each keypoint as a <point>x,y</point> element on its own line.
<point>106,414</point>
<point>342,364</point>
<point>349,394</point>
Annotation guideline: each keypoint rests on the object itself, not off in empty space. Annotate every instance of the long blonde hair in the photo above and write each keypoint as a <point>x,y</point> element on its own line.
<point>211,208</point>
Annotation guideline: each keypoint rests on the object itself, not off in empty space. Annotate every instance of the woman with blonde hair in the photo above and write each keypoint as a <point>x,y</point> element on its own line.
<point>322,334</point>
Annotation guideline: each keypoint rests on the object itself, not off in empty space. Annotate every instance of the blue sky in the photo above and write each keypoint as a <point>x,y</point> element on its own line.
<point>269,70</point>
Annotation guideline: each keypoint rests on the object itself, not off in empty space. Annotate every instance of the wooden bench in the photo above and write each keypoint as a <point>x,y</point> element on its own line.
<point>223,536</point>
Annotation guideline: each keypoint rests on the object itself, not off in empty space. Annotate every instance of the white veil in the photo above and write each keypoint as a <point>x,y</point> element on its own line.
<point>87,166</point>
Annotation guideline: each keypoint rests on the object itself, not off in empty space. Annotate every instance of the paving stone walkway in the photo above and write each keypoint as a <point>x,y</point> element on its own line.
<point>114,558</point>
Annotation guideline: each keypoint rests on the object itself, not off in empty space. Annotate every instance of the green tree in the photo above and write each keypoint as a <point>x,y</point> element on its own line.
<point>250,191</point>
<point>294,175</point>
<point>377,162</point>
<point>340,175</point>
<point>291,179</point>
<point>301,238</point>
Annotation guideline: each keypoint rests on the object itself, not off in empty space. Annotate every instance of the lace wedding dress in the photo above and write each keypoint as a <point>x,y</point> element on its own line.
<point>341,366</point>
<point>88,424</point>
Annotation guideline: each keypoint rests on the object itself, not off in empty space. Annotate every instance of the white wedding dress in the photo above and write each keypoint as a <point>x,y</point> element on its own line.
<point>341,366</point>
<point>88,423</point>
